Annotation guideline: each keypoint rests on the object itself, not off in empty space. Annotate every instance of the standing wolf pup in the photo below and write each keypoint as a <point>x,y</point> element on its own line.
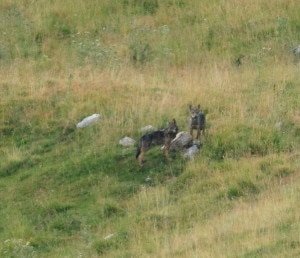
<point>197,120</point>
<point>156,138</point>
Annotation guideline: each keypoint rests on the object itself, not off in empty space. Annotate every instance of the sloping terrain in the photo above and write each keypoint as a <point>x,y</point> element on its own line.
<point>76,192</point>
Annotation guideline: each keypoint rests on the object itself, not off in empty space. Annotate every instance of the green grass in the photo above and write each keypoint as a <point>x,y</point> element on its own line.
<point>69,192</point>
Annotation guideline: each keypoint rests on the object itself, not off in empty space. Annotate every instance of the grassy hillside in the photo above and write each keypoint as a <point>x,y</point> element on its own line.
<point>69,192</point>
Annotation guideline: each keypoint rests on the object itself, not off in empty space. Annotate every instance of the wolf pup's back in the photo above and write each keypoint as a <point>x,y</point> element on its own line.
<point>149,140</point>
<point>161,137</point>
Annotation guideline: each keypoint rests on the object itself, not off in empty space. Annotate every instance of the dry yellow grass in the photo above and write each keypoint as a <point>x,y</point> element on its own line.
<point>264,225</point>
<point>248,226</point>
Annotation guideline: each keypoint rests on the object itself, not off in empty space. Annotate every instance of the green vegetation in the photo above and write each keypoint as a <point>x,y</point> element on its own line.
<point>69,192</point>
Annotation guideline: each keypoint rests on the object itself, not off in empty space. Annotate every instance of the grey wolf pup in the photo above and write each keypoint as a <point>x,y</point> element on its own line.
<point>159,137</point>
<point>197,120</point>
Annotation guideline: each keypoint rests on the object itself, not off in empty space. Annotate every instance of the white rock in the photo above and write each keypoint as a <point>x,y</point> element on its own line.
<point>88,121</point>
<point>127,142</point>
<point>147,128</point>
<point>296,50</point>
<point>191,152</point>
<point>109,236</point>
<point>278,125</point>
<point>181,141</point>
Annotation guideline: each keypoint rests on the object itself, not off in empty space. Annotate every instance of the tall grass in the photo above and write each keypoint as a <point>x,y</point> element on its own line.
<point>67,192</point>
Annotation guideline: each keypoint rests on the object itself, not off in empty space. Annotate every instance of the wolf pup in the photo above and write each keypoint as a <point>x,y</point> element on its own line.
<point>156,138</point>
<point>197,120</point>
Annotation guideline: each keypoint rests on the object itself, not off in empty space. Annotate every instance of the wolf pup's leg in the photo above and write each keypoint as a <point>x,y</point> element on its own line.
<point>140,157</point>
<point>139,154</point>
<point>140,151</point>
<point>198,133</point>
<point>166,152</point>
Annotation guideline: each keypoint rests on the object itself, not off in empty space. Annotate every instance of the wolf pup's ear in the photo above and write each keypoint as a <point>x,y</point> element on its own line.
<point>190,107</point>
<point>199,106</point>
<point>174,121</point>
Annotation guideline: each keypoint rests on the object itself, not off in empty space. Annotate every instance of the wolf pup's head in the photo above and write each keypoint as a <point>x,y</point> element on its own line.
<point>172,127</point>
<point>194,111</point>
